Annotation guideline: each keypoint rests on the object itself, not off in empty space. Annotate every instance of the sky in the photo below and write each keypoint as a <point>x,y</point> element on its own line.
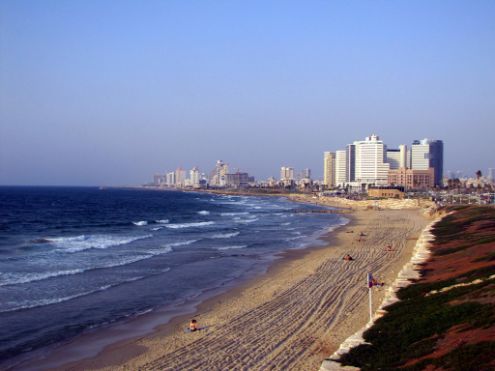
<point>111,92</point>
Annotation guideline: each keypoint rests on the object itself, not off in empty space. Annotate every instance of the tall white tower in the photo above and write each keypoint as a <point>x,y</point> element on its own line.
<point>340,167</point>
<point>371,165</point>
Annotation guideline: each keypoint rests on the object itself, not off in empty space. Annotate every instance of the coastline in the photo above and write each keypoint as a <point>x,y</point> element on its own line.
<point>95,342</point>
<point>293,316</point>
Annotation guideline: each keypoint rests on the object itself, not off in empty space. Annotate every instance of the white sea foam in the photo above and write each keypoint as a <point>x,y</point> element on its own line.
<point>140,223</point>
<point>7,279</point>
<point>162,221</point>
<point>168,248</point>
<point>234,214</point>
<point>189,225</point>
<point>160,251</point>
<point>83,242</point>
<point>204,212</point>
<point>231,247</point>
<point>239,220</point>
<point>18,278</point>
<point>179,243</point>
<point>288,223</point>
<point>225,235</point>
<point>156,228</point>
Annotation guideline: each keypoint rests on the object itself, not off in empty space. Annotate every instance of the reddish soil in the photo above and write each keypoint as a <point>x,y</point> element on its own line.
<point>452,265</point>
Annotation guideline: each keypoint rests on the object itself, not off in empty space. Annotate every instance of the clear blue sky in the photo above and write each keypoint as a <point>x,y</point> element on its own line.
<point>110,92</point>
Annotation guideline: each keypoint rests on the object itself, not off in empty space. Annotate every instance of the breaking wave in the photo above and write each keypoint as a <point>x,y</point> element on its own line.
<point>83,242</point>
<point>234,214</point>
<point>225,235</point>
<point>231,247</point>
<point>189,225</point>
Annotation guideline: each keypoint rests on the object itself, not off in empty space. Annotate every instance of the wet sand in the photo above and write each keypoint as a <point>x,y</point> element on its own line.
<point>292,317</point>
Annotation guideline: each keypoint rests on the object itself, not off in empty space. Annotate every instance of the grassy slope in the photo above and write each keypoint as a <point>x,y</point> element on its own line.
<point>454,329</point>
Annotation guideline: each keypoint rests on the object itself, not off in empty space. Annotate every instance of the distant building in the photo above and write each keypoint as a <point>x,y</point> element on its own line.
<point>386,192</point>
<point>351,163</point>
<point>393,158</point>
<point>371,165</point>
<point>306,173</point>
<point>238,180</point>
<point>286,173</point>
<point>491,174</point>
<point>329,169</point>
<point>340,167</point>
<point>427,154</point>
<point>218,175</point>
<point>170,179</point>
<point>194,177</point>
<point>411,178</point>
<point>180,177</point>
<point>403,156</point>
<point>159,180</point>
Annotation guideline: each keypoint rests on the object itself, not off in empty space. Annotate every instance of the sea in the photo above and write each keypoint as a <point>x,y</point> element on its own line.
<point>74,260</point>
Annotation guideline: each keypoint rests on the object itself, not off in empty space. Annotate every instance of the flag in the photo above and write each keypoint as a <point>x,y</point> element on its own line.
<point>371,281</point>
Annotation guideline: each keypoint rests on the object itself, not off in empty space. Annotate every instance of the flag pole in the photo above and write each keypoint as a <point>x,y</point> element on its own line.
<point>371,306</point>
<point>369,281</point>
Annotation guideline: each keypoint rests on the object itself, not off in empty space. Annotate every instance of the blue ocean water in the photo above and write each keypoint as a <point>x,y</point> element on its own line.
<point>78,258</point>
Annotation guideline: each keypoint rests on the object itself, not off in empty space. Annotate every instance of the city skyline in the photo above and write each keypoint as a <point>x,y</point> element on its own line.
<point>95,94</point>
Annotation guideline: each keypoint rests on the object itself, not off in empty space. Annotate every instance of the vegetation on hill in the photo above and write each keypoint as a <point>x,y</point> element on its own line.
<point>446,320</point>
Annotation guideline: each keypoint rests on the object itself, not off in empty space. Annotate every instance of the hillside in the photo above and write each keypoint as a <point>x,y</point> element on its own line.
<point>446,320</point>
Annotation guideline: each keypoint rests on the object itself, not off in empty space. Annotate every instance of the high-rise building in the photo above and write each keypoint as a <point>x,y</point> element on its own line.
<point>394,158</point>
<point>340,167</point>
<point>194,177</point>
<point>306,173</point>
<point>158,180</point>
<point>491,174</point>
<point>170,179</point>
<point>218,175</point>
<point>180,177</point>
<point>237,180</point>
<point>371,165</point>
<point>403,157</point>
<point>351,163</point>
<point>329,169</point>
<point>427,154</point>
<point>286,173</point>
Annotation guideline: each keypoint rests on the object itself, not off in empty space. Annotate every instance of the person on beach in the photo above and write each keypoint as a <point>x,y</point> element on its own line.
<point>193,325</point>
<point>347,257</point>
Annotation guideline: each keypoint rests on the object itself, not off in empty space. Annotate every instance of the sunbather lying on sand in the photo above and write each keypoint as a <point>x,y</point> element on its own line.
<point>347,257</point>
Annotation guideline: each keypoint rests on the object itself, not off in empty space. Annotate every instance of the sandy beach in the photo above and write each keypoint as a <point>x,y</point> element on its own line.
<point>292,317</point>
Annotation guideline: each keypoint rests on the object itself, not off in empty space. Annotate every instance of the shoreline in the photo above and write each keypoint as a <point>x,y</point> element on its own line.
<point>139,351</point>
<point>280,295</point>
<point>92,344</point>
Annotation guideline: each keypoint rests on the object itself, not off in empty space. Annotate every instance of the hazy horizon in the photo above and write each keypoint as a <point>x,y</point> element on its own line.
<point>109,93</point>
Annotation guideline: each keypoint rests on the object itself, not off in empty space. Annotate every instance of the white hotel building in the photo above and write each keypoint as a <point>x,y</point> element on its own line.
<point>371,165</point>
<point>340,168</point>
